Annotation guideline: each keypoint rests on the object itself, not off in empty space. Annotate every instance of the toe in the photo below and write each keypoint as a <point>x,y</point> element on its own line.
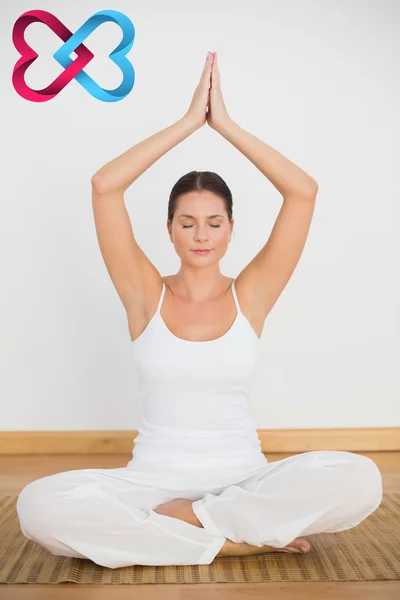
<point>300,544</point>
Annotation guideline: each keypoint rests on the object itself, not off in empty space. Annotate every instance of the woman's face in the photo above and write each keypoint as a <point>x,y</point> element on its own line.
<point>195,226</point>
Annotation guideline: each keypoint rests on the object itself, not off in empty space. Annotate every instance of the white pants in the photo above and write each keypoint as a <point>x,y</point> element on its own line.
<point>106,516</point>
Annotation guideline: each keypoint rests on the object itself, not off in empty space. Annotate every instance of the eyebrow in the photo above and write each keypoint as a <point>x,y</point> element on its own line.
<point>192,217</point>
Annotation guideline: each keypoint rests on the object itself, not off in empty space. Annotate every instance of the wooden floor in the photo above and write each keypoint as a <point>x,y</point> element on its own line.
<point>18,470</point>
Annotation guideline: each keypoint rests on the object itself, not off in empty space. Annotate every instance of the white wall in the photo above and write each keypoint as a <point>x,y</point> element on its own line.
<point>317,81</point>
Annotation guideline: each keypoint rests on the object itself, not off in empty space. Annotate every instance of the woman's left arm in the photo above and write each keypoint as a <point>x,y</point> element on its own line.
<point>289,179</point>
<point>263,280</point>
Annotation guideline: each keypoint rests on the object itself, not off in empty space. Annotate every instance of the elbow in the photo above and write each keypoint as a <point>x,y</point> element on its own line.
<point>98,183</point>
<point>314,188</point>
<point>102,185</point>
<point>95,180</point>
<point>310,192</point>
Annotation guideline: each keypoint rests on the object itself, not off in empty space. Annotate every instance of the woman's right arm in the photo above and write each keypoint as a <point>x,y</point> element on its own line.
<point>134,276</point>
<point>121,172</point>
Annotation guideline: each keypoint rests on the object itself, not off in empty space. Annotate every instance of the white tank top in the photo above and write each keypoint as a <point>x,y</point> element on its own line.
<point>196,400</point>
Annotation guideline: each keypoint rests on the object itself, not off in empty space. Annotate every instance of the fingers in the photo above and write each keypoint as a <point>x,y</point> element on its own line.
<point>215,76</point>
<point>207,66</point>
<point>210,75</point>
<point>206,74</point>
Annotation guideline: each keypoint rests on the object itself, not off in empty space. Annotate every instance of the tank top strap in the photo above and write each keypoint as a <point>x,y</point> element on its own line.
<point>235,297</point>
<point>161,298</point>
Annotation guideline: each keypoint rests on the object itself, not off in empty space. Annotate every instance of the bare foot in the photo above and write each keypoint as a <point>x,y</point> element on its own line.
<point>242,549</point>
<point>299,544</point>
<point>181,508</point>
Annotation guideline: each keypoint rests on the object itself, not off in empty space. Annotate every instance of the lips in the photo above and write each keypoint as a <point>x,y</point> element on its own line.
<point>201,251</point>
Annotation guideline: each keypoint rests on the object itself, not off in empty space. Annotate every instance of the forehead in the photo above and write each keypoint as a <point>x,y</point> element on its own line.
<point>200,203</point>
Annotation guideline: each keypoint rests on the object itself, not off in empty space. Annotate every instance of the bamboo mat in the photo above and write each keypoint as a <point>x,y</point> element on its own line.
<point>369,551</point>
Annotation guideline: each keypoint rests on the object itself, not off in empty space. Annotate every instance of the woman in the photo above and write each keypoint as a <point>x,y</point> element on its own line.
<point>198,485</point>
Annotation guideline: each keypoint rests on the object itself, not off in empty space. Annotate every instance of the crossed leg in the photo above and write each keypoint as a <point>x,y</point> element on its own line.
<point>312,492</point>
<point>181,508</point>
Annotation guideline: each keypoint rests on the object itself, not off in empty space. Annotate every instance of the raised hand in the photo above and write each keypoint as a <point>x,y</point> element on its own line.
<point>217,114</point>
<point>197,110</point>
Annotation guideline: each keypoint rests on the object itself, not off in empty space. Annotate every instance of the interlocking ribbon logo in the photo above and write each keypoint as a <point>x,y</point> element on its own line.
<point>73,67</point>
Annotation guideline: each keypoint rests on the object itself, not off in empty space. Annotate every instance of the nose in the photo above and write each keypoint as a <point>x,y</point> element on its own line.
<point>200,235</point>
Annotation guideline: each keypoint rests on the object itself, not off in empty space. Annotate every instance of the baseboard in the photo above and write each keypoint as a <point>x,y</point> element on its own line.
<point>272,440</point>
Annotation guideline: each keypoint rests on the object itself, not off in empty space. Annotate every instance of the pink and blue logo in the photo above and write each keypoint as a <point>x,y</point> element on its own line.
<point>73,68</point>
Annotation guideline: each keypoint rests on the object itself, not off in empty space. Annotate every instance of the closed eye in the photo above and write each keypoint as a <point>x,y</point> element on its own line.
<point>186,226</point>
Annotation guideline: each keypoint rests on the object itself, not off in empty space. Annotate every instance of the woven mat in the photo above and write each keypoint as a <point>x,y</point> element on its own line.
<point>369,551</point>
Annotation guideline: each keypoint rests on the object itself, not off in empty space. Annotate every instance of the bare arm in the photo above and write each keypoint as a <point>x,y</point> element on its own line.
<point>121,172</point>
<point>288,178</point>
<point>265,277</point>
<point>132,273</point>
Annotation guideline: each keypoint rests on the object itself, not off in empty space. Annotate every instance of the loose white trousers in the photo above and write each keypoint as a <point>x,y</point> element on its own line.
<point>106,516</point>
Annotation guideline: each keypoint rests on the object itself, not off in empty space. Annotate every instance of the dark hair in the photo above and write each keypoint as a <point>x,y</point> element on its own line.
<point>197,181</point>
